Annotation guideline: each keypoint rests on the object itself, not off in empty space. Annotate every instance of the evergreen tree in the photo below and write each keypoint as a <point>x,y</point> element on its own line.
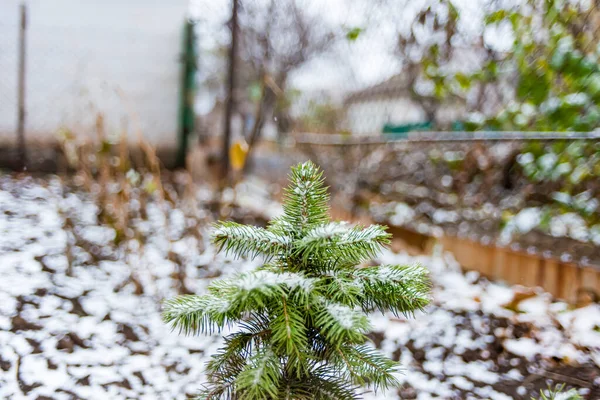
<point>302,316</point>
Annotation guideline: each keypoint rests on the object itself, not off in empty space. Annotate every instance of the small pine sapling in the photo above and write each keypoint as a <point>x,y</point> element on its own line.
<point>302,316</point>
<point>558,393</point>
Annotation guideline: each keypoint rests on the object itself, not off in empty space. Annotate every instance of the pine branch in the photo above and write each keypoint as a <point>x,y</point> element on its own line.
<point>306,199</point>
<point>341,324</point>
<point>238,347</point>
<point>250,291</point>
<point>344,288</point>
<point>321,385</point>
<point>346,245</point>
<point>327,390</point>
<point>229,362</point>
<point>400,289</point>
<point>248,241</point>
<point>197,314</point>
<point>223,371</point>
<point>289,335</point>
<point>222,390</point>
<point>253,291</point>
<point>260,378</point>
<point>366,366</point>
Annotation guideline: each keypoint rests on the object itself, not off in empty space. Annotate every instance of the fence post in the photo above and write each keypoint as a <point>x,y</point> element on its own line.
<point>22,157</point>
<point>186,93</point>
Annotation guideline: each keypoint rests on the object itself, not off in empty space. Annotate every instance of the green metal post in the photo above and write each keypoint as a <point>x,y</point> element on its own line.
<point>187,92</point>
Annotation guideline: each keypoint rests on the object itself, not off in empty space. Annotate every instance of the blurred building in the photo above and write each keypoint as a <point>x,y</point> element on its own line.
<point>392,102</point>
<point>122,59</point>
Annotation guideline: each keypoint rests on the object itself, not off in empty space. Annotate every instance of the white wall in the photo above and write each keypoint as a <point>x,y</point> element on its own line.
<point>369,117</point>
<point>366,118</point>
<point>120,57</point>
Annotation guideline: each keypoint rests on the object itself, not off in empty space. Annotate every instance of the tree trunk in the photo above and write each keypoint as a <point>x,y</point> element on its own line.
<point>282,116</point>
<point>230,94</point>
<point>259,118</point>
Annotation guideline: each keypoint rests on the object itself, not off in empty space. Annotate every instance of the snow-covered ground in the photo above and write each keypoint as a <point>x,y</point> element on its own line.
<point>80,315</point>
<point>478,341</point>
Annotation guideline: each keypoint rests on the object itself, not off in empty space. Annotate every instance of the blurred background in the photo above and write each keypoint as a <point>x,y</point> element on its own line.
<point>478,117</point>
<point>469,127</point>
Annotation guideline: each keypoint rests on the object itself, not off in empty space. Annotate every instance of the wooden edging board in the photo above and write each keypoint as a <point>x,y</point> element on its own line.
<point>565,280</point>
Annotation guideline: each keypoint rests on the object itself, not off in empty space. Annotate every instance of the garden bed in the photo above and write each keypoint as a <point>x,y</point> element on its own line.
<point>80,313</point>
